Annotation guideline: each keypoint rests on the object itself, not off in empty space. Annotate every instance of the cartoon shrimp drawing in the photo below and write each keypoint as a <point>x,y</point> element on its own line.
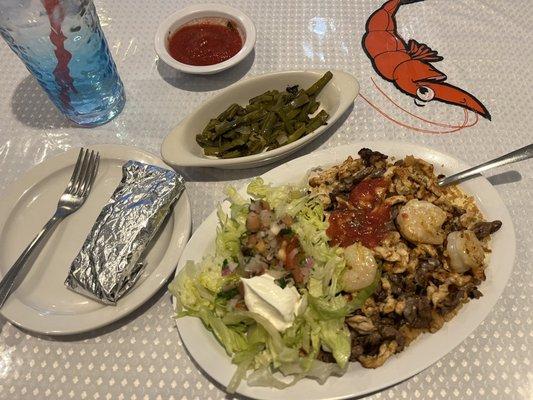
<point>408,65</point>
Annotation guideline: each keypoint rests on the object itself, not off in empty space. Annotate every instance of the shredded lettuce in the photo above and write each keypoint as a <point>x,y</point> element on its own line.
<point>330,308</point>
<point>238,207</point>
<point>244,361</point>
<point>190,294</point>
<point>340,306</point>
<point>232,340</point>
<point>325,319</point>
<point>195,299</point>
<point>264,376</point>
<point>264,356</point>
<point>329,263</point>
<point>279,351</point>
<point>229,232</point>
<point>318,370</point>
<point>336,337</point>
<point>284,200</point>
<point>257,188</point>
<point>211,278</point>
<point>231,227</point>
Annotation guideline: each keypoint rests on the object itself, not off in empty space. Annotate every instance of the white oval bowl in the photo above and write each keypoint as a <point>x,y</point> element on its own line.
<point>174,21</point>
<point>179,149</point>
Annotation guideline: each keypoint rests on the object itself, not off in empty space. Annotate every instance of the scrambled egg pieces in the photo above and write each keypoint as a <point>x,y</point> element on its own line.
<point>432,259</point>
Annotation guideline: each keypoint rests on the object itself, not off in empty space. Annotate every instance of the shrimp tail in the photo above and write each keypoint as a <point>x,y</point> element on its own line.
<point>409,1</point>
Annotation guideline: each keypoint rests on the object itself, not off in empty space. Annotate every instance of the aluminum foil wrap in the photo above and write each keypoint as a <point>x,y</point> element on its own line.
<point>111,259</point>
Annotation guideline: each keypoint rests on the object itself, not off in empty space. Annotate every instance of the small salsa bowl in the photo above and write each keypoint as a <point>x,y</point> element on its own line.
<point>207,13</point>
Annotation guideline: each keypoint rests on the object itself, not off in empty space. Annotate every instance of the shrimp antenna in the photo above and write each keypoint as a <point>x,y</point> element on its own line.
<point>441,124</point>
<point>414,128</point>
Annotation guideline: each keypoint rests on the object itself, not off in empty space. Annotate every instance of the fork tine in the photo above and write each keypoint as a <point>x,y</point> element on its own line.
<point>95,171</point>
<point>83,171</point>
<point>76,171</point>
<point>91,173</point>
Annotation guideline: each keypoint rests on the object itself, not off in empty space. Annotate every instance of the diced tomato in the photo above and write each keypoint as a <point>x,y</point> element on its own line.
<point>293,258</point>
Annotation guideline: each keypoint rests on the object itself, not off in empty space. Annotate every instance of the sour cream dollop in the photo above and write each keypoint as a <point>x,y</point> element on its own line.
<point>279,306</point>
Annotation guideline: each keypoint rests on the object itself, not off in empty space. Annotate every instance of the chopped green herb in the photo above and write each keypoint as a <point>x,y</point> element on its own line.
<point>281,282</point>
<point>228,294</point>
<point>286,232</point>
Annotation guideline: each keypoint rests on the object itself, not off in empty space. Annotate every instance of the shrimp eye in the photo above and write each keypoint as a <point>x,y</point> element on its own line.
<point>424,93</point>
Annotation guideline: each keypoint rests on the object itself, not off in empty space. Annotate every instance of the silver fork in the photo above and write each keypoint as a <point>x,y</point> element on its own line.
<point>71,200</point>
<point>523,153</point>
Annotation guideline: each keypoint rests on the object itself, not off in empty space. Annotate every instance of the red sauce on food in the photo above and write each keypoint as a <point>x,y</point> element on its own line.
<point>204,43</point>
<point>367,221</point>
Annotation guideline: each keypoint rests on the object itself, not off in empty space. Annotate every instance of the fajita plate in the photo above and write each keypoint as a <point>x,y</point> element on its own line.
<point>426,349</point>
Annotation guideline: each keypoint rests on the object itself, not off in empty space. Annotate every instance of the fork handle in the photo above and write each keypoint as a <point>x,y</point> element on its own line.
<point>522,153</point>
<point>7,283</point>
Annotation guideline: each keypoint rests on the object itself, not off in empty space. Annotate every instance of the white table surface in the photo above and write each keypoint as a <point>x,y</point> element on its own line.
<point>487,50</point>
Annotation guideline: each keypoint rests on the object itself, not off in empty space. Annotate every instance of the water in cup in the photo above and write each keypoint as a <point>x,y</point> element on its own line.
<point>63,46</point>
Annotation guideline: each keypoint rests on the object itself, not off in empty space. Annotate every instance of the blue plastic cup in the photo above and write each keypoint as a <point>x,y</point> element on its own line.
<point>63,46</point>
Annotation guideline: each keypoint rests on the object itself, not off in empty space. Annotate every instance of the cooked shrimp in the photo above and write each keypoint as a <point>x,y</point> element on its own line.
<point>421,222</point>
<point>361,268</point>
<point>465,251</point>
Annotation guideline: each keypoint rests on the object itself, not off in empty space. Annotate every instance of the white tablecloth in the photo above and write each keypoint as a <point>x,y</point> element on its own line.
<point>487,50</point>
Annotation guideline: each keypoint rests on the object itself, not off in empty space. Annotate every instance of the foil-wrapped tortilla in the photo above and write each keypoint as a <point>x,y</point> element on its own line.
<point>111,259</point>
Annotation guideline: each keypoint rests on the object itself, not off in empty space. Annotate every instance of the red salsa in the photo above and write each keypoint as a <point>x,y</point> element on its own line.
<point>366,220</point>
<point>204,43</point>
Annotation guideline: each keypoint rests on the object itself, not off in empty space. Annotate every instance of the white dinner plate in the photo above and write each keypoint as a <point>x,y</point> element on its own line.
<point>180,149</point>
<point>425,350</point>
<point>42,303</point>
